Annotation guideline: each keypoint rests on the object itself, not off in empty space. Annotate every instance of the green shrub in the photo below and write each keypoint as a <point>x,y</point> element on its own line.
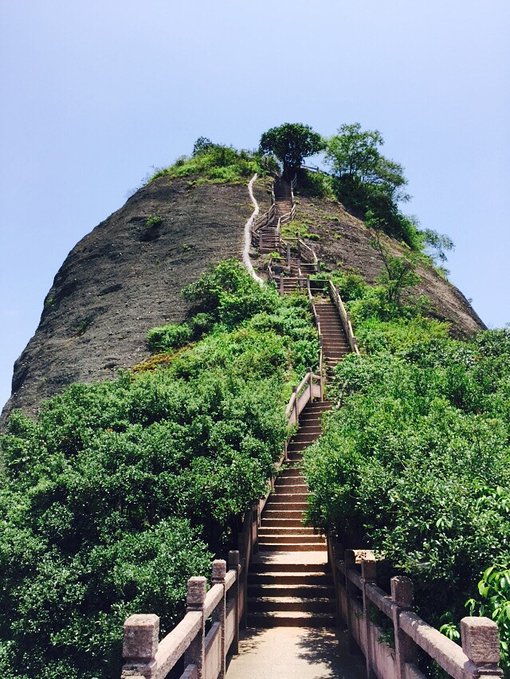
<point>411,464</point>
<point>169,336</point>
<point>218,164</point>
<point>314,184</point>
<point>121,490</point>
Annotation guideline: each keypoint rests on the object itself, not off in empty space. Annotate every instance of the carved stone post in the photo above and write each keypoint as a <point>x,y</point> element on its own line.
<point>402,593</point>
<point>349,563</point>
<point>333,550</point>
<point>195,655</point>
<point>480,642</point>
<point>141,638</point>
<point>233,564</point>
<point>219,570</point>
<point>296,411</point>
<point>368,576</point>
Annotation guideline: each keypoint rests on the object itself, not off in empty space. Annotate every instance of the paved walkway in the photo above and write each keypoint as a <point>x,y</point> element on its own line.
<point>295,653</point>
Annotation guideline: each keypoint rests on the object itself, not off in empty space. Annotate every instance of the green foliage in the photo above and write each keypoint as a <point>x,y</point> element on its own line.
<point>65,608</point>
<point>121,490</point>
<point>412,462</point>
<point>399,273</point>
<point>354,153</point>
<point>153,220</point>
<point>415,462</point>
<point>370,184</point>
<point>217,163</point>
<point>291,143</point>
<point>229,294</point>
<point>390,298</point>
<point>202,144</point>
<point>169,336</point>
<point>438,244</point>
<point>494,602</point>
<point>314,184</point>
<point>297,229</point>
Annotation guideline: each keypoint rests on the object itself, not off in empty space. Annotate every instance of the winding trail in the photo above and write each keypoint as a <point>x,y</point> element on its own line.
<point>247,232</point>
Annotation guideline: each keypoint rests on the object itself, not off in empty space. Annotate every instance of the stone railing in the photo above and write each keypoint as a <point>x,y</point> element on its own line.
<point>203,648</point>
<point>327,287</point>
<point>309,388</point>
<point>259,221</point>
<point>320,335</point>
<point>294,245</point>
<point>359,597</point>
<point>346,321</point>
<point>288,216</point>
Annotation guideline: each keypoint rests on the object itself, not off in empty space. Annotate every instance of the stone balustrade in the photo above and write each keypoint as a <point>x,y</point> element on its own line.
<point>358,597</point>
<point>202,648</point>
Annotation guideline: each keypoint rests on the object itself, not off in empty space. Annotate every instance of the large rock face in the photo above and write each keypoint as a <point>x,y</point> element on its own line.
<point>125,277</point>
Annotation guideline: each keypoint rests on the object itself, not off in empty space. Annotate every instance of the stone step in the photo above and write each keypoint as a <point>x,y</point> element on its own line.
<point>292,546</point>
<point>279,505</point>
<point>291,619</point>
<point>291,481</point>
<point>317,406</point>
<point>282,514</point>
<point>290,473</point>
<point>290,497</point>
<point>312,426</point>
<point>305,436</point>
<point>286,536</point>
<point>292,532</point>
<point>305,591</point>
<point>282,522</point>
<point>289,574</point>
<point>295,456</point>
<point>291,489</point>
<point>291,603</point>
<point>296,446</point>
<point>313,417</point>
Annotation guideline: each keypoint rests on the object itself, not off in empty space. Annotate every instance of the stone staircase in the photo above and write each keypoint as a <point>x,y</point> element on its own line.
<point>269,238</point>
<point>334,340</point>
<point>289,582</point>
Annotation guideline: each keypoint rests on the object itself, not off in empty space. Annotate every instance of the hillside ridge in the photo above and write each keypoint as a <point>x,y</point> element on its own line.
<point>126,275</point>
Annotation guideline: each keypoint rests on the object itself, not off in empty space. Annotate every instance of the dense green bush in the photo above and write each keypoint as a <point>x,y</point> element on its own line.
<point>123,489</point>
<point>169,336</point>
<point>415,464</point>
<point>217,163</point>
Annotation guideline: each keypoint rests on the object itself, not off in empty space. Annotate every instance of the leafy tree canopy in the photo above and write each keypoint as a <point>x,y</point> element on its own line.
<point>291,143</point>
<point>120,490</point>
<point>355,153</point>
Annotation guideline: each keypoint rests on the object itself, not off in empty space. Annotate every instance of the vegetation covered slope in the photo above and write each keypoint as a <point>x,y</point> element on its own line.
<point>121,490</point>
<point>414,463</point>
<point>126,274</point>
<point>342,241</point>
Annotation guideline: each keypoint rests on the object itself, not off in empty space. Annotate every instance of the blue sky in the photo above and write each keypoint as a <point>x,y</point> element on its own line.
<point>94,94</point>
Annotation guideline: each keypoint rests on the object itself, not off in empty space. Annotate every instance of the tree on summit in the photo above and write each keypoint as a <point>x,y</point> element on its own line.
<point>291,143</point>
<point>355,158</point>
